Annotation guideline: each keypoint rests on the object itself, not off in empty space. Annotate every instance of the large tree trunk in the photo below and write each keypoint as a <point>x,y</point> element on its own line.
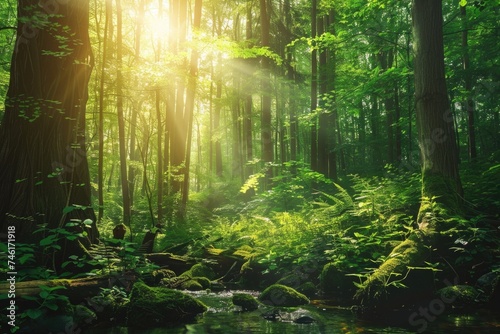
<point>43,163</point>
<point>441,189</point>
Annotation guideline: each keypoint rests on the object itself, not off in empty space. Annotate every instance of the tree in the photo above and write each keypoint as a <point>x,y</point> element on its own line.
<point>44,173</point>
<point>441,187</point>
<point>266,127</point>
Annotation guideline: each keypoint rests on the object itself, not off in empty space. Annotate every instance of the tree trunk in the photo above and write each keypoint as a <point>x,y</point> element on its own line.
<point>121,119</point>
<point>100,129</point>
<point>43,162</point>
<point>441,189</point>
<point>247,118</point>
<point>190,99</point>
<point>323,118</point>
<point>266,127</point>
<point>469,103</point>
<point>314,89</point>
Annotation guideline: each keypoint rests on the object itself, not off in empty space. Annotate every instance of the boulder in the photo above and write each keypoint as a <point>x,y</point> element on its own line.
<point>461,296</point>
<point>282,295</point>
<point>156,306</point>
<point>334,282</point>
<point>488,286</point>
<point>245,301</point>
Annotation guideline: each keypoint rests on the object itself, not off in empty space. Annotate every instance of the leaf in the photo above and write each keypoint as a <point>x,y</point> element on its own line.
<point>68,209</point>
<point>34,313</point>
<point>48,240</point>
<point>88,222</point>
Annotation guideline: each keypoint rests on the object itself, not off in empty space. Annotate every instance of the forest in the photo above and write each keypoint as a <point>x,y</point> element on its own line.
<point>257,166</point>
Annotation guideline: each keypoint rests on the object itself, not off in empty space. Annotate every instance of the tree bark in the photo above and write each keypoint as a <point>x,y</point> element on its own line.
<point>43,162</point>
<point>441,189</point>
<point>314,89</point>
<point>121,119</point>
<point>266,126</point>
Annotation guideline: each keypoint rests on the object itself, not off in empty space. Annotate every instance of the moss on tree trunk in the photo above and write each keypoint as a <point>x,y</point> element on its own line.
<point>397,282</point>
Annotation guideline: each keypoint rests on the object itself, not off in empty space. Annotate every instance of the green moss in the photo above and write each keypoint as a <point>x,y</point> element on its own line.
<point>334,282</point>
<point>203,281</point>
<point>460,295</point>
<point>191,285</point>
<point>83,316</point>
<point>199,270</point>
<point>160,306</point>
<point>247,302</point>
<point>308,289</point>
<point>281,295</point>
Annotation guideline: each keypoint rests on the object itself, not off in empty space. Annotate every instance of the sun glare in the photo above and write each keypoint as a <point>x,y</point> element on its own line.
<point>157,22</point>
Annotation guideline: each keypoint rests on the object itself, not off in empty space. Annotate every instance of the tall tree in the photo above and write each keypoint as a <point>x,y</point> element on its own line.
<point>469,103</point>
<point>314,87</point>
<point>266,125</point>
<point>121,117</point>
<point>190,105</point>
<point>44,173</point>
<point>100,126</point>
<point>441,187</point>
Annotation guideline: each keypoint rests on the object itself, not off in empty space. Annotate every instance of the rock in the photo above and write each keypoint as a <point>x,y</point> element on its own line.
<point>304,319</point>
<point>83,316</point>
<point>489,287</point>
<point>201,270</point>
<point>461,296</point>
<point>282,295</point>
<point>272,315</point>
<point>150,307</point>
<point>308,289</point>
<point>247,302</point>
<point>204,282</point>
<point>191,285</point>
<point>334,282</point>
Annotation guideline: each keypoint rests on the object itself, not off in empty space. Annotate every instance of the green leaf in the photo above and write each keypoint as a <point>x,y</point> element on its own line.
<point>68,209</point>
<point>52,306</point>
<point>48,240</point>
<point>34,313</point>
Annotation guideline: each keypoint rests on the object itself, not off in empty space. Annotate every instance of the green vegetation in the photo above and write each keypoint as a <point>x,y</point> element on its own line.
<point>150,307</point>
<point>283,296</point>
<point>300,148</point>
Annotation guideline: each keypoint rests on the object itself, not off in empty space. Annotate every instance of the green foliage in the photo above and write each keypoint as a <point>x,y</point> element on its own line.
<point>48,300</point>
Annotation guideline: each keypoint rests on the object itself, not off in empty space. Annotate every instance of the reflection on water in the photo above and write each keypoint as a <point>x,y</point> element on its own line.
<point>224,318</point>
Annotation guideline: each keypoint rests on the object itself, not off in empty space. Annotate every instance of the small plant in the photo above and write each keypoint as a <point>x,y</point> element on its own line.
<point>47,299</point>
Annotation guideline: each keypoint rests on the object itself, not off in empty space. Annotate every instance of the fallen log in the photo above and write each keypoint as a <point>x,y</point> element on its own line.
<point>76,289</point>
<point>178,264</point>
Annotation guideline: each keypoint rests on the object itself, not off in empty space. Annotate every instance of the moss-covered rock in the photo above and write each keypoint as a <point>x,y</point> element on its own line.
<point>191,285</point>
<point>489,287</point>
<point>151,307</point>
<point>282,295</point>
<point>251,274</point>
<point>245,301</point>
<point>335,282</point>
<point>308,289</point>
<point>461,296</point>
<point>203,281</point>
<point>83,316</point>
<point>201,270</point>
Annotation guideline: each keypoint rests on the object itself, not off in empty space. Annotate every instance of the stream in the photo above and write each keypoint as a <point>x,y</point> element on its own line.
<point>224,318</point>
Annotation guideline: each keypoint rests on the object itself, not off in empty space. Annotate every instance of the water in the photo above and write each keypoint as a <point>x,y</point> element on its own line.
<point>224,318</point>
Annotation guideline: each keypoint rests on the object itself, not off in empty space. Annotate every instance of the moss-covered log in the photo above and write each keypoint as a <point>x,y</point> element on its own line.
<point>76,289</point>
